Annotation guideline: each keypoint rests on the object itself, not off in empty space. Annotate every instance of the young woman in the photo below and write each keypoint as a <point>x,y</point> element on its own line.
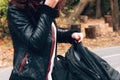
<point>34,35</point>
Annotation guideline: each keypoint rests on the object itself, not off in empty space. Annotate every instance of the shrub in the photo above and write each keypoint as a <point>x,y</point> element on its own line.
<point>3,8</point>
<point>3,13</point>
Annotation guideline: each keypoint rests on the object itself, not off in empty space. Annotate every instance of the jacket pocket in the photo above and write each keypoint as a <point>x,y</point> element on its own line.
<point>30,68</point>
<point>23,63</point>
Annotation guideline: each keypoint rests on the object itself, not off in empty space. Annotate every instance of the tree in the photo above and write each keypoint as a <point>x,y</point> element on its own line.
<point>98,9</point>
<point>78,10</point>
<point>115,15</point>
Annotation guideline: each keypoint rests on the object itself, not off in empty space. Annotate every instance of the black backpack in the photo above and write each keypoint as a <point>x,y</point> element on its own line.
<point>80,63</point>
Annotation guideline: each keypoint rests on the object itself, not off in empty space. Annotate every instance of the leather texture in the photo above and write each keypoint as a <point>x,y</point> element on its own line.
<point>31,35</point>
<point>80,63</point>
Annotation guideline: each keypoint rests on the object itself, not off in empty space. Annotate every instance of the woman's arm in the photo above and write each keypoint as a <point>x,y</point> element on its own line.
<point>32,35</point>
<point>65,36</point>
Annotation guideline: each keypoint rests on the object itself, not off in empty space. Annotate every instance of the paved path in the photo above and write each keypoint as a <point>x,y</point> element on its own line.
<point>111,55</point>
<point>5,73</point>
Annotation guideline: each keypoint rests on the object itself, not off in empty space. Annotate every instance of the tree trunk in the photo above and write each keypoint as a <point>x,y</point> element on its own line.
<point>83,18</point>
<point>92,31</point>
<point>76,27</point>
<point>98,9</point>
<point>78,10</point>
<point>108,19</point>
<point>115,15</point>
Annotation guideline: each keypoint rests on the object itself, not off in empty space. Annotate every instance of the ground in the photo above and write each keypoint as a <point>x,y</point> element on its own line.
<point>107,38</point>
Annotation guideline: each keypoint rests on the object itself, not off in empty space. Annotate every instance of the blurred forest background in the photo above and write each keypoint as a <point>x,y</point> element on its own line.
<point>99,20</point>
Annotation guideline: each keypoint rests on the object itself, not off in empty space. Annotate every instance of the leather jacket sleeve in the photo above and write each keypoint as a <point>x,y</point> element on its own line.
<point>65,36</point>
<point>32,35</point>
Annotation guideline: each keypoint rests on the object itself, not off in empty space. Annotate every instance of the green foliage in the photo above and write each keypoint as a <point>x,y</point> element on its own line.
<point>106,9</point>
<point>3,21</point>
<point>119,4</point>
<point>68,8</point>
<point>90,10</point>
<point>3,7</point>
<point>71,3</point>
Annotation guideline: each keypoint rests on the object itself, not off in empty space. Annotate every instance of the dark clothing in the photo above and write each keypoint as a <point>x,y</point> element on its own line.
<point>31,36</point>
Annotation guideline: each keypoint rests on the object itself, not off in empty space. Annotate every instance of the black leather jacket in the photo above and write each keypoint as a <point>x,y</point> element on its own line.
<point>31,38</point>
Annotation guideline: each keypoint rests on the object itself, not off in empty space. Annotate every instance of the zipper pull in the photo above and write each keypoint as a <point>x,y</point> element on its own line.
<point>27,61</point>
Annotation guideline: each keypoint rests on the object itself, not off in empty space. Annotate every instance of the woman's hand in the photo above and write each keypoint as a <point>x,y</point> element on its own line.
<point>77,36</point>
<point>51,3</point>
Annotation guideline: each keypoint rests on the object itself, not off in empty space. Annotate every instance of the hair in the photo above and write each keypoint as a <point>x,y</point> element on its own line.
<point>34,4</point>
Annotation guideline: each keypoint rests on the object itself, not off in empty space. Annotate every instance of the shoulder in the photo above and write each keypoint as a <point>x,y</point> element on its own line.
<point>14,9</point>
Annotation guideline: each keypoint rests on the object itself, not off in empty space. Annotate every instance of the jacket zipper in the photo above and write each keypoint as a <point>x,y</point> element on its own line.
<point>24,61</point>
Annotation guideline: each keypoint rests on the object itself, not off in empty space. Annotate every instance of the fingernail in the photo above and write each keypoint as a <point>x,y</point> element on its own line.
<point>79,39</point>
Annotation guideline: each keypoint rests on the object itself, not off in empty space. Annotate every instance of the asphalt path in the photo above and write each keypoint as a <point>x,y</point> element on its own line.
<point>110,54</point>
